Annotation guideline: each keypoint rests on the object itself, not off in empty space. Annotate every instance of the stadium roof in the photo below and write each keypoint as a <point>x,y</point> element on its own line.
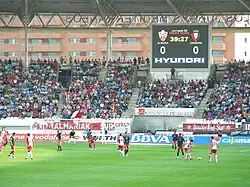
<point>128,6</point>
<point>106,8</point>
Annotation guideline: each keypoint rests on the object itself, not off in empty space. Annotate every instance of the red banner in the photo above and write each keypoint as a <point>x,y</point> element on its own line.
<point>202,127</point>
<point>79,125</point>
<point>246,127</point>
<point>67,125</point>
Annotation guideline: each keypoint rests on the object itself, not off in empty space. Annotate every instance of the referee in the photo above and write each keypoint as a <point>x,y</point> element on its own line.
<point>72,136</point>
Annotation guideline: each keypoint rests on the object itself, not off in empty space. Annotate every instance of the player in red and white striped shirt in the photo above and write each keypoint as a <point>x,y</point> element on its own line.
<point>3,140</point>
<point>214,149</point>
<point>121,144</point>
<point>30,145</point>
<point>187,148</point>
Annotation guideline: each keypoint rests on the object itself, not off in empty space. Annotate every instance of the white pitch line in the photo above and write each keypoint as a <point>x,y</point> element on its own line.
<point>243,151</point>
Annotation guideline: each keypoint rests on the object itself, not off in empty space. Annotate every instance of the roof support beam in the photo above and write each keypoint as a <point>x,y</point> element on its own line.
<point>26,12</point>
<point>247,6</point>
<point>98,3</point>
<point>176,11</point>
<point>185,12</point>
<point>107,12</point>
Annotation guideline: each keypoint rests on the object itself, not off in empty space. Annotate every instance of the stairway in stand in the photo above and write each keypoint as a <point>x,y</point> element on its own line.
<point>201,107</point>
<point>103,74</point>
<point>60,104</point>
<point>132,104</point>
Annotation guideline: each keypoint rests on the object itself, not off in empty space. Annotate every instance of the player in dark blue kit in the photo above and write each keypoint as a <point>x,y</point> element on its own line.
<point>126,143</point>
<point>174,140</point>
<point>180,144</point>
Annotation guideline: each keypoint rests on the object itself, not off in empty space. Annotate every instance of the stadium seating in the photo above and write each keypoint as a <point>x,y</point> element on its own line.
<point>96,98</point>
<point>172,94</point>
<point>31,93</point>
<point>84,69</point>
<point>230,99</point>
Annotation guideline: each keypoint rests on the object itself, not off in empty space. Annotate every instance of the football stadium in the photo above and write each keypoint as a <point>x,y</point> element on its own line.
<point>113,93</point>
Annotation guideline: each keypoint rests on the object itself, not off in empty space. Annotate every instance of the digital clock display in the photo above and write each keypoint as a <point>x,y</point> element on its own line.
<point>180,46</point>
<point>178,39</point>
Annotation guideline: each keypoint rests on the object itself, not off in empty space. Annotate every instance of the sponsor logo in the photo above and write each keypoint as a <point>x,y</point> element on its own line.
<point>150,139</point>
<point>193,127</point>
<point>52,137</point>
<point>170,133</point>
<point>164,112</point>
<point>175,60</point>
<point>42,137</point>
<point>234,140</point>
<point>78,125</point>
<point>195,35</point>
<point>163,35</point>
<point>100,138</point>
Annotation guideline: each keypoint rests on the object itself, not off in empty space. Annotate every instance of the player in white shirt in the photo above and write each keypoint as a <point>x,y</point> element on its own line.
<point>121,144</point>
<point>30,145</point>
<point>213,150</point>
<point>187,148</point>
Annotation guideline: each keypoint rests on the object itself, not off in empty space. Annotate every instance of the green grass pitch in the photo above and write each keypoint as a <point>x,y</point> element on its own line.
<point>146,166</point>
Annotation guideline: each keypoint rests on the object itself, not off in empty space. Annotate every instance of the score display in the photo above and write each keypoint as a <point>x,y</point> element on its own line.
<point>180,46</point>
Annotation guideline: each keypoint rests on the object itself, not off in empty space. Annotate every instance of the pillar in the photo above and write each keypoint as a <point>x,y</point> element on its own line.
<point>109,45</point>
<point>26,38</point>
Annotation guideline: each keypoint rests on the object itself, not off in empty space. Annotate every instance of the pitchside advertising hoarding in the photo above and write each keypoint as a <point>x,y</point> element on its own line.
<point>45,130</point>
<point>180,46</point>
<point>209,127</point>
<point>142,139</point>
<point>174,112</point>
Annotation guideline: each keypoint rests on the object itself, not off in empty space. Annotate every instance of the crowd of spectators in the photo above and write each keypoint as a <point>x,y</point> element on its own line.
<point>95,98</point>
<point>85,69</point>
<point>32,92</point>
<point>172,94</point>
<point>230,99</point>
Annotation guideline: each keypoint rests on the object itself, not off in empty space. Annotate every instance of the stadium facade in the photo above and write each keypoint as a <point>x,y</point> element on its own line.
<point>109,15</point>
<point>91,43</point>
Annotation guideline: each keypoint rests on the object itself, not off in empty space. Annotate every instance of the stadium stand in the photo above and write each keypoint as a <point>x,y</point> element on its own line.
<point>28,93</point>
<point>96,98</point>
<point>230,99</point>
<point>84,69</point>
<point>172,94</point>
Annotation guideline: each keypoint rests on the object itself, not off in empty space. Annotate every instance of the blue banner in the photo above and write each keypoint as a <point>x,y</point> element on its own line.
<point>150,139</point>
<point>159,139</point>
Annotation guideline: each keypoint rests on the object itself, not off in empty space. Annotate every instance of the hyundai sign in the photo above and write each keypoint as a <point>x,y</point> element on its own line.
<point>180,46</point>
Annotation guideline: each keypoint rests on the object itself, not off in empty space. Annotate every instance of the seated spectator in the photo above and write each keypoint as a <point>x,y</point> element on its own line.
<point>34,93</point>
<point>85,68</point>
<point>177,94</point>
<point>96,98</point>
<point>230,99</point>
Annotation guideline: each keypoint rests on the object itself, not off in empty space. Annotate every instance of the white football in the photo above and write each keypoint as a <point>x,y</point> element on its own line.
<point>199,158</point>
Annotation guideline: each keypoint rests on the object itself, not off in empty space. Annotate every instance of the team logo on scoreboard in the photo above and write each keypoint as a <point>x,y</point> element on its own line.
<point>163,35</point>
<point>195,35</point>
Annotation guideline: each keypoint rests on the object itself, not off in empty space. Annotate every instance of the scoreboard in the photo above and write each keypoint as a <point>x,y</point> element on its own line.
<point>180,46</point>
